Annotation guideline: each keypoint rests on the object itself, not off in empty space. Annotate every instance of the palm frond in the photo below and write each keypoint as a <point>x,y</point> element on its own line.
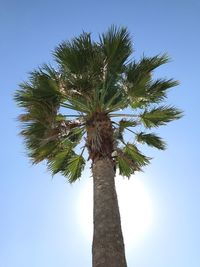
<point>68,163</point>
<point>81,63</point>
<point>129,159</point>
<point>138,73</point>
<point>158,88</point>
<point>159,116</point>
<point>138,81</point>
<point>44,138</point>
<point>74,168</point>
<point>78,104</point>
<point>40,97</point>
<point>76,54</point>
<point>125,164</point>
<point>116,46</point>
<point>151,63</point>
<point>151,139</point>
<point>44,151</point>
<point>140,159</point>
<point>150,92</point>
<point>60,161</point>
<point>40,141</point>
<point>76,134</point>
<point>116,102</point>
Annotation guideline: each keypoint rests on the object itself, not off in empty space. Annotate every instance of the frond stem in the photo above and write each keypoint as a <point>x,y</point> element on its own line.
<point>83,150</point>
<point>124,115</point>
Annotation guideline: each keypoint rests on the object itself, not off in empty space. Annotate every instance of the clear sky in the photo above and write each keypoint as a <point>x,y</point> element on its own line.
<point>38,216</point>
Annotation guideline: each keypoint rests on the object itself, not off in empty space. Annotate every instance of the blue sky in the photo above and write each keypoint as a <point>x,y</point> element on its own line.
<point>38,223</point>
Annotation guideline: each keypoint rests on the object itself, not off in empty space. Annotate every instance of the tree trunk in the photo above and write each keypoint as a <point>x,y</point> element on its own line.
<point>108,246</point>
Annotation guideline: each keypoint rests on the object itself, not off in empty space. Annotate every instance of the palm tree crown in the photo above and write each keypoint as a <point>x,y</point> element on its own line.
<point>95,80</point>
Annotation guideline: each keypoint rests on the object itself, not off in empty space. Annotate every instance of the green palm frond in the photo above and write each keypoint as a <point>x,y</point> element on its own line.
<point>130,159</point>
<point>149,64</point>
<point>140,159</point>
<point>80,60</point>
<point>138,73</point>
<point>77,104</point>
<point>48,71</point>
<point>117,47</point>
<point>81,63</point>
<point>156,90</point>
<point>74,168</point>
<point>38,144</point>
<point>139,85</point>
<point>136,79</point>
<point>44,142</point>
<point>76,134</point>
<point>151,92</point>
<point>125,164</point>
<point>76,54</point>
<point>44,138</point>
<point>160,116</point>
<point>151,139</point>
<point>116,102</point>
<point>42,152</point>
<point>68,163</point>
<point>60,161</point>
<point>35,131</point>
<point>40,97</point>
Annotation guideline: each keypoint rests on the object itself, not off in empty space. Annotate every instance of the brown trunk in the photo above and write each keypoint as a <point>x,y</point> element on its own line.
<point>108,246</point>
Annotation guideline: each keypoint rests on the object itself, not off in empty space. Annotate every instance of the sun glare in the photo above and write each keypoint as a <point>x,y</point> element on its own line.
<point>135,208</point>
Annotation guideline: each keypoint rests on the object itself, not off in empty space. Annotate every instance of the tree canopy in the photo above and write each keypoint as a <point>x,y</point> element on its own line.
<point>90,82</point>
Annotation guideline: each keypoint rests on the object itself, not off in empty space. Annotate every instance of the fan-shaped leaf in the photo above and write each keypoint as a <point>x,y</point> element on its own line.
<point>130,159</point>
<point>60,161</point>
<point>126,164</point>
<point>136,155</point>
<point>116,46</point>
<point>74,168</point>
<point>159,116</point>
<point>151,140</point>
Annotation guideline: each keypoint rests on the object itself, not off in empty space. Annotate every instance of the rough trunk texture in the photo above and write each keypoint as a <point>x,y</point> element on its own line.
<point>99,136</point>
<point>108,246</point>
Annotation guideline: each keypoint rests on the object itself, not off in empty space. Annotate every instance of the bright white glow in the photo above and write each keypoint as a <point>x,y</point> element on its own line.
<point>135,209</point>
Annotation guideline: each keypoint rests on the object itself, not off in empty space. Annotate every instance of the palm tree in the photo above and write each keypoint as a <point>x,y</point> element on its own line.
<point>73,111</point>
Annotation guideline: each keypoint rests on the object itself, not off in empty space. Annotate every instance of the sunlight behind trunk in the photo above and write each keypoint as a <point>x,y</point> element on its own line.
<point>136,209</point>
